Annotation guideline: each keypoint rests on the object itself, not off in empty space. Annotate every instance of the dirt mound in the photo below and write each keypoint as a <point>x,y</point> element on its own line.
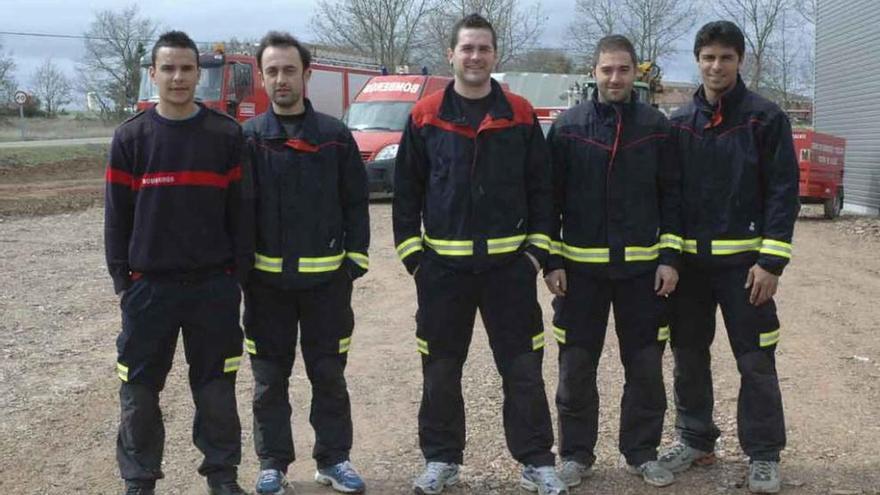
<point>48,188</point>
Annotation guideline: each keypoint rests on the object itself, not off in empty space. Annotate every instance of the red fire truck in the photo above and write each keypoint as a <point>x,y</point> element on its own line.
<point>820,159</point>
<point>231,83</point>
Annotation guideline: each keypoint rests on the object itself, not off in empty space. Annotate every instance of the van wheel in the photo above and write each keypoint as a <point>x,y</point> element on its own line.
<point>833,206</point>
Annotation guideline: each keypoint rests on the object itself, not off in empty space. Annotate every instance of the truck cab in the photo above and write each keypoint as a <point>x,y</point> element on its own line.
<point>377,118</point>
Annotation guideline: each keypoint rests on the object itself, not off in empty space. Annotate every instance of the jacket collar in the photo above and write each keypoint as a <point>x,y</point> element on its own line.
<point>273,129</point>
<point>451,111</point>
<point>722,108</point>
<point>611,110</point>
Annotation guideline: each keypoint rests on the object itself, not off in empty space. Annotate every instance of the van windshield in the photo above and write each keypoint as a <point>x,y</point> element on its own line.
<point>390,116</point>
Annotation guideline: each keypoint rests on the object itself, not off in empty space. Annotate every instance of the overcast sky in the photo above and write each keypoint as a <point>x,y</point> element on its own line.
<point>214,20</point>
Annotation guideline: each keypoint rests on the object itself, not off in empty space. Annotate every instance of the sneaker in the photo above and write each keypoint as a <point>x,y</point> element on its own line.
<point>542,480</point>
<point>652,473</point>
<point>764,477</point>
<point>436,477</point>
<point>680,457</point>
<point>573,472</point>
<point>226,488</point>
<point>131,489</point>
<point>273,482</point>
<point>342,477</point>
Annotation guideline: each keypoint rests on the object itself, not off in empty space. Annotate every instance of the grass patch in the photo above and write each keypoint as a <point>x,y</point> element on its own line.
<point>29,157</point>
<point>62,127</point>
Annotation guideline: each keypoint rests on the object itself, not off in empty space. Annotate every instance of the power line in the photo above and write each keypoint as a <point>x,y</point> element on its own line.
<point>64,36</point>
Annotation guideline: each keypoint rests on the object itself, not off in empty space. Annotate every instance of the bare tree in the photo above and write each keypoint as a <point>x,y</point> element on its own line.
<point>385,30</point>
<point>552,61</point>
<point>593,19</point>
<point>759,20</point>
<point>51,86</point>
<point>111,68</point>
<point>7,82</point>
<point>517,27</point>
<point>654,26</point>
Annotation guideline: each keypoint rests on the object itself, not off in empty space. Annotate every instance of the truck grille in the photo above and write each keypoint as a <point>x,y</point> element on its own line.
<point>365,155</point>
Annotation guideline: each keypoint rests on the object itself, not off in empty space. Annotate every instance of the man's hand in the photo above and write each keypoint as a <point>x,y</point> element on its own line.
<point>763,285</point>
<point>665,280</point>
<point>557,282</point>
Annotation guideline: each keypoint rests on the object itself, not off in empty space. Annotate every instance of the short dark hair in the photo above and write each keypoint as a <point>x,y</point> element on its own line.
<point>175,39</point>
<point>723,33</point>
<point>472,21</point>
<point>284,40</point>
<point>615,43</point>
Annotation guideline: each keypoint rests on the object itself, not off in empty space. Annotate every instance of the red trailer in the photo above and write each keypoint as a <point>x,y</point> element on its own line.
<point>820,159</point>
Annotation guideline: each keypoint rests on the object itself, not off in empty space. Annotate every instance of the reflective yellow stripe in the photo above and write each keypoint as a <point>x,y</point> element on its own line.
<point>450,248</point>
<point>585,255</point>
<point>776,248</point>
<point>359,259</point>
<point>769,338</point>
<point>232,364</point>
<point>663,333</point>
<point>408,247</point>
<point>724,247</point>
<point>556,248</point>
<point>503,245</point>
<point>122,372</point>
<point>640,253</point>
<point>268,264</point>
<point>250,346</point>
<point>559,333</point>
<point>324,264</point>
<point>422,346</point>
<point>671,241</point>
<point>541,241</point>
<point>344,345</point>
<point>538,341</point>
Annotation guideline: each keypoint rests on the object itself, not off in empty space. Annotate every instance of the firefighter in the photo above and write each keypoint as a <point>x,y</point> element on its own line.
<point>312,236</point>
<point>176,234</point>
<point>472,167</point>
<point>739,202</point>
<point>617,200</point>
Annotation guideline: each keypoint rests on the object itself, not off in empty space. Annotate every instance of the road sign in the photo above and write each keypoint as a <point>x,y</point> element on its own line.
<point>21,97</point>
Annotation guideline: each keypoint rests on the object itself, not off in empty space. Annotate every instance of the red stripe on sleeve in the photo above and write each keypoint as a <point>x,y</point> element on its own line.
<point>234,173</point>
<point>116,176</point>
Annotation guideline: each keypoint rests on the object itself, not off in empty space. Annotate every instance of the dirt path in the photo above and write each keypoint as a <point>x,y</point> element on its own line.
<point>58,386</point>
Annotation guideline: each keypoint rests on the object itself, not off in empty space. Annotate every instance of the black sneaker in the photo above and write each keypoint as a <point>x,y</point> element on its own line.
<point>131,489</point>
<point>226,488</point>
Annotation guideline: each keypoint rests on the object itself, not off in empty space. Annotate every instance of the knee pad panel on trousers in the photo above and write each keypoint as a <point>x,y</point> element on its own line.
<point>577,373</point>
<point>757,364</point>
<point>327,372</point>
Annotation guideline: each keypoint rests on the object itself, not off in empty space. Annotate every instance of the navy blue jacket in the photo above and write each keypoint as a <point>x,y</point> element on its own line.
<point>740,180</point>
<point>175,205</point>
<point>484,196</point>
<point>312,207</point>
<point>617,189</point>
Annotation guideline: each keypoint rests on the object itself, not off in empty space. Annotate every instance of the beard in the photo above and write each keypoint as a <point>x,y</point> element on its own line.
<point>288,100</point>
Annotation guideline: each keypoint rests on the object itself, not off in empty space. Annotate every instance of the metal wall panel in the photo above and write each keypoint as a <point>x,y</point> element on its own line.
<point>847,94</point>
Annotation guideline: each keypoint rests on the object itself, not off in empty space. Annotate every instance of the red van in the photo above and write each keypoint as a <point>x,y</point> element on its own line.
<point>377,117</point>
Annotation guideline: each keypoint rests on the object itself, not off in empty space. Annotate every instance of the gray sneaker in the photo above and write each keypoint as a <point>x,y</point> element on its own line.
<point>542,480</point>
<point>680,457</point>
<point>435,478</point>
<point>764,477</point>
<point>573,472</point>
<point>652,473</point>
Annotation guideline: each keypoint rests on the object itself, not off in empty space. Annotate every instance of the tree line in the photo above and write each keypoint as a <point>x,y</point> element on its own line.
<point>415,33</point>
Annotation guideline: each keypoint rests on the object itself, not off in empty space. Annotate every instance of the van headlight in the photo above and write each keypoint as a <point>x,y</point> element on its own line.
<point>387,153</point>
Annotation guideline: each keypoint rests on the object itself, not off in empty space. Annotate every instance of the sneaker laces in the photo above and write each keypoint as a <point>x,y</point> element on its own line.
<point>763,470</point>
<point>676,450</point>
<point>268,476</point>
<point>346,469</point>
<point>433,469</point>
<point>548,477</point>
